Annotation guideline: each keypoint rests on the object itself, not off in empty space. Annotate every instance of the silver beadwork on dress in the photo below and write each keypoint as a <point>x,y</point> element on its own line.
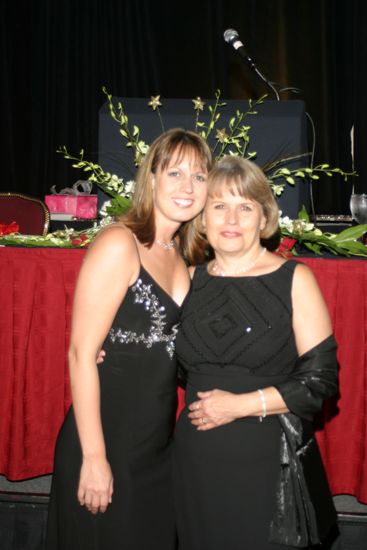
<point>144,295</point>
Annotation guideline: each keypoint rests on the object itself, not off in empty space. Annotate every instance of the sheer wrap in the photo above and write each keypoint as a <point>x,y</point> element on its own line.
<point>304,507</point>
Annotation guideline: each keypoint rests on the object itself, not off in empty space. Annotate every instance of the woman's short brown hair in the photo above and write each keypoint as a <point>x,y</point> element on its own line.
<point>245,178</point>
<point>174,142</point>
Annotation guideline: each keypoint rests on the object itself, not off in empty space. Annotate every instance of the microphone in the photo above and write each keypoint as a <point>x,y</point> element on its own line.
<point>232,37</point>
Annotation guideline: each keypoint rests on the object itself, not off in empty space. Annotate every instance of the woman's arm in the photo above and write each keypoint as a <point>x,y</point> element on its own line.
<point>311,325</point>
<point>311,321</point>
<point>110,266</point>
<point>315,376</point>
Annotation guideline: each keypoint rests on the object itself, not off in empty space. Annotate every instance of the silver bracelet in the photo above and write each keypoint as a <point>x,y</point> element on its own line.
<point>263,405</point>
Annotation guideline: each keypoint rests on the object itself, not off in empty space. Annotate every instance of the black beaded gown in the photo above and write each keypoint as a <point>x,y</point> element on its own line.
<point>138,403</point>
<point>235,335</point>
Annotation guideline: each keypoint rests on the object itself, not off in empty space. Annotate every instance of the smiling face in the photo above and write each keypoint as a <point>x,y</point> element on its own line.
<point>179,189</point>
<point>233,222</point>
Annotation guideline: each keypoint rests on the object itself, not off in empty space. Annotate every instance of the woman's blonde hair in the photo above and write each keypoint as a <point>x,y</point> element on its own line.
<point>140,216</point>
<point>245,178</point>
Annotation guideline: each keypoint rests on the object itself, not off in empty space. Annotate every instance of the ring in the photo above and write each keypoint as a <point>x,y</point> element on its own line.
<point>202,420</point>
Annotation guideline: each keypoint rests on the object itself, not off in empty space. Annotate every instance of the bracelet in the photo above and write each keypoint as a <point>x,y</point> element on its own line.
<point>263,405</point>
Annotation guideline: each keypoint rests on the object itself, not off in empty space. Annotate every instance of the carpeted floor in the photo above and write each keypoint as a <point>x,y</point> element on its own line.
<point>23,517</point>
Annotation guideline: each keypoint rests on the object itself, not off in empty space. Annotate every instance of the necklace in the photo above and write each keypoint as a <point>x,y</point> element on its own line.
<point>218,271</point>
<point>167,246</point>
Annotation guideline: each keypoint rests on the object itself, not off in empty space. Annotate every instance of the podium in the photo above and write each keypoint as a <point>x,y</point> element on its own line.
<point>278,131</point>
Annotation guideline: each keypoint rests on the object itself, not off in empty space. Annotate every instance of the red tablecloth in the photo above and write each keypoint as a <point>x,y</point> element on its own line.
<point>36,288</point>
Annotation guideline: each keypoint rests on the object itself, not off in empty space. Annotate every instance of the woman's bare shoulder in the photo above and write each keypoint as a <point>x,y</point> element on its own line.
<point>116,230</point>
<point>114,247</point>
<point>303,276</point>
<point>116,236</point>
<point>311,320</point>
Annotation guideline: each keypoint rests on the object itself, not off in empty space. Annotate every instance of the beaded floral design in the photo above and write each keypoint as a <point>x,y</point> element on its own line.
<point>144,295</point>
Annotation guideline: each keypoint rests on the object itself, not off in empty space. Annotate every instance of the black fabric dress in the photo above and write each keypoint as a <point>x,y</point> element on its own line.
<point>138,404</point>
<point>235,335</point>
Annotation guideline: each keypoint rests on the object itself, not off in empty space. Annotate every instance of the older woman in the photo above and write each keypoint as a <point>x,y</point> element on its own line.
<point>255,343</point>
<point>112,477</point>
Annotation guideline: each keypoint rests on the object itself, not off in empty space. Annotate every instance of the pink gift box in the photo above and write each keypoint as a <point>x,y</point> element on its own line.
<point>78,206</point>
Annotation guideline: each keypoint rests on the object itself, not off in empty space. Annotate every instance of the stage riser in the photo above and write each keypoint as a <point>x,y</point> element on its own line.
<point>23,525</point>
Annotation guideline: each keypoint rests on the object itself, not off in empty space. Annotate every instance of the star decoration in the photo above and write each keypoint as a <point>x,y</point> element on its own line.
<point>154,102</point>
<point>198,104</point>
<point>222,135</point>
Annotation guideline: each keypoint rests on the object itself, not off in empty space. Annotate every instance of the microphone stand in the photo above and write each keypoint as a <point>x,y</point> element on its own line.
<point>264,79</point>
<point>231,37</point>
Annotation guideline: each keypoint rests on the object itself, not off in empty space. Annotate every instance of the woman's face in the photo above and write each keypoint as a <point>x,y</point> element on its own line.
<point>233,223</point>
<point>179,190</point>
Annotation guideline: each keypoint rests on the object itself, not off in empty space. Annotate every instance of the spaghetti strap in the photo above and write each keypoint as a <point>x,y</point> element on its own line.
<point>136,240</point>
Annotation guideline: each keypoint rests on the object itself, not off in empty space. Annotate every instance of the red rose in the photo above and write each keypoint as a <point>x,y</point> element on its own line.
<point>79,240</point>
<point>285,247</point>
<point>6,229</point>
<point>76,242</point>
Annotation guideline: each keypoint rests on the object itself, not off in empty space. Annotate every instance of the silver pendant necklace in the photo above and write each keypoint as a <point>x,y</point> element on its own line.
<point>218,271</point>
<point>166,245</point>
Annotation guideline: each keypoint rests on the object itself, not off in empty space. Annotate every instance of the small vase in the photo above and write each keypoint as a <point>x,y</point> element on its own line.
<point>358,207</point>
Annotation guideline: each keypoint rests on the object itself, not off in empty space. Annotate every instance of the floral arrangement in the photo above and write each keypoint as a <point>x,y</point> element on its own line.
<point>232,140</point>
<point>64,238</point>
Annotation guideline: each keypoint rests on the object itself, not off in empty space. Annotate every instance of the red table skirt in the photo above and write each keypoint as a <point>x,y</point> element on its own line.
<point>36,289</point>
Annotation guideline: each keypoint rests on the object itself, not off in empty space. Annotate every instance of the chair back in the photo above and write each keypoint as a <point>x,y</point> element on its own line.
<point>29,213</point>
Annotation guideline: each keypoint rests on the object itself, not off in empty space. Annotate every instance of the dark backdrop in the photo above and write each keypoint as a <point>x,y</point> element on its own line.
<point>56,55</point>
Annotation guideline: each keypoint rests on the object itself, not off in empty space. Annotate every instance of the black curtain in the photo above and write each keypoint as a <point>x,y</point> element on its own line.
<point>57,55</point>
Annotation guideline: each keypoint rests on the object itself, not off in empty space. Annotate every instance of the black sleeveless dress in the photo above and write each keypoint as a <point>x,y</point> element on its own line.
<point>138,403</point>
<point>235,335</point>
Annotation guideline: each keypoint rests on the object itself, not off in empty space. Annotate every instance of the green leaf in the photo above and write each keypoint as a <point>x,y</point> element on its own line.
<point>353,247</point>
<point>118,206</point>
<point>302,214</point>
<point>316,248</point>
<point>351,234</point>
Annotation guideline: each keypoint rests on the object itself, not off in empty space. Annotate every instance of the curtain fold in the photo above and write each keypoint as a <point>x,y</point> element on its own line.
<point>56,56</point>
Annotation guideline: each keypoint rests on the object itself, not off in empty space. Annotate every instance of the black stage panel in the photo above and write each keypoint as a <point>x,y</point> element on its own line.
<point>277,131</point>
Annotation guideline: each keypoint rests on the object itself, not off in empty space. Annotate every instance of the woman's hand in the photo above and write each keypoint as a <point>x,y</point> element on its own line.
<point>215,408</point>
<point>95,485</point>
<point>100,357</point>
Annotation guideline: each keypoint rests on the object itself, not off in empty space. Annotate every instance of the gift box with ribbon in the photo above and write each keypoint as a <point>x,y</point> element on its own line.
<point>75,201</point>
